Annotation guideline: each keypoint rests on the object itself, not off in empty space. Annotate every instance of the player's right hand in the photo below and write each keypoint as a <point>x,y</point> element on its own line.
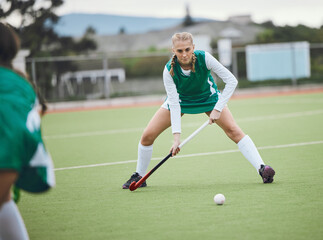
<point>175,147</point>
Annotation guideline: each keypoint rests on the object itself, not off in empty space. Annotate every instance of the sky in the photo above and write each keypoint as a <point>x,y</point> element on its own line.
<point>281,12</point>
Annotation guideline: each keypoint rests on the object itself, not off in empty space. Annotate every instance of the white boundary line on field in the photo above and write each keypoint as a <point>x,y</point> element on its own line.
<point>262,101</point>
<point>116,131</point>
<point>96,133</point>
<point>194,155</point>
<point>281,116</point>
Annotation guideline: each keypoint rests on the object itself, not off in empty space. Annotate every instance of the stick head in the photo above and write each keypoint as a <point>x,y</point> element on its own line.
<point>132,186</point>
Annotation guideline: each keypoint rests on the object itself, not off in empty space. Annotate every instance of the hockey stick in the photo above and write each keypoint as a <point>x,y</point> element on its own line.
<point>134,185</point>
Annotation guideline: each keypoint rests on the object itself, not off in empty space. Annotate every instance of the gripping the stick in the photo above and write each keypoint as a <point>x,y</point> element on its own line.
<point>134,185</point>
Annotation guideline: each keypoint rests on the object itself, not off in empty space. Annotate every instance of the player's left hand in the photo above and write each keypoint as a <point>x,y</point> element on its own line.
<point>175,149</point>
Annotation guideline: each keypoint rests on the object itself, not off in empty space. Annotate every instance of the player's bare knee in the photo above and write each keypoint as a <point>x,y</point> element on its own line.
<point>147,139</point>
<point>234,133</point>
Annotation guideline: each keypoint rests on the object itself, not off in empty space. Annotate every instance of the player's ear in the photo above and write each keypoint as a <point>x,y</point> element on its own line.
<point>193,47</point>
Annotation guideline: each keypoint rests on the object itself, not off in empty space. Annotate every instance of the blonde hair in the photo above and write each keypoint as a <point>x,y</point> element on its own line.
<point>183,36</point>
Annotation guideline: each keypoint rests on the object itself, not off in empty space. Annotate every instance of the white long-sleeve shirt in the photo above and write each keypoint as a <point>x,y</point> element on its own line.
<point>173,100</point>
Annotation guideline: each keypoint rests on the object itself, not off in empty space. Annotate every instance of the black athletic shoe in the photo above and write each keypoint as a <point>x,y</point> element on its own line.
<point>134,177</point>
<point>267,173</point>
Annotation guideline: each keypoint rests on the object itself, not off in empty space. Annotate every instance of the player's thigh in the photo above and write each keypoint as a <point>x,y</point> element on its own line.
<point>7,179</point>
<point>159,122</point>
<point>229,125</point>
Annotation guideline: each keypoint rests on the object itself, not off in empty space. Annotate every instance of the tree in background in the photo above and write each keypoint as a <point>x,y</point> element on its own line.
<point>36,20</point>
<point>289,34</point>
<point>35,27</point>
<point>188,20</point>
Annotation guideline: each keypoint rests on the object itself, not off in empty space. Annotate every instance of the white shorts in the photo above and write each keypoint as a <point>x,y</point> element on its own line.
<point>165,104</point>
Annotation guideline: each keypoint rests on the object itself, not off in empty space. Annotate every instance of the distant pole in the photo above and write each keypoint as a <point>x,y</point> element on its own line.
<point>33,71</point>
<point>293,62</point>
<point>235,63</point>
<point>106,78</point>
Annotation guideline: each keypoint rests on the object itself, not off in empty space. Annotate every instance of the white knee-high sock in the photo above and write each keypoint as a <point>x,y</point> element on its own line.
<point>250,152</point>
<point>11,224</point>
<point>144,157</point>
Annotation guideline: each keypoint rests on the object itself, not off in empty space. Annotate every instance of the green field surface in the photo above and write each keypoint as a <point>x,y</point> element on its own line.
<point>95,152</point>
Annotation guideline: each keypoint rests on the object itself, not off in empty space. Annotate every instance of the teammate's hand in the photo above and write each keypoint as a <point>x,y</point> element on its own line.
<point>214,116</point>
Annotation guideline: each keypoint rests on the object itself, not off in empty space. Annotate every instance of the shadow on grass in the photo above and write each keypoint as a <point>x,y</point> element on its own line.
<point>198,187</point>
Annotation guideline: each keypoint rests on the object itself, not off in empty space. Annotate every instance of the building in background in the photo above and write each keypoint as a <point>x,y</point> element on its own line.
<point>240,34</point>
<point>241,19</point>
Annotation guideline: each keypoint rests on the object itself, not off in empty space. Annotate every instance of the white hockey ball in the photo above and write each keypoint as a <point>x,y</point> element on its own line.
<point>219,199</point>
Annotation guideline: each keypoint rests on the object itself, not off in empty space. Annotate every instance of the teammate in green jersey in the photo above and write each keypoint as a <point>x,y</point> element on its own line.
<point>24,161</point>
<point>191,89</point>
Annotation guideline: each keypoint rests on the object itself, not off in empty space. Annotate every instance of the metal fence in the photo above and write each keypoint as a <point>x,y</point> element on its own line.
<point>105,76</point>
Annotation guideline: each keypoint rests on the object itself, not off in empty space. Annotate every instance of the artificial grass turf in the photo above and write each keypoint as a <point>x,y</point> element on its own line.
<point>88,203</point>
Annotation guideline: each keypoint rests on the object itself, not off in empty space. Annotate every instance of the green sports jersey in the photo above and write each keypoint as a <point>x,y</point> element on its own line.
<point>198,92</point>
<point>21,145</point>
